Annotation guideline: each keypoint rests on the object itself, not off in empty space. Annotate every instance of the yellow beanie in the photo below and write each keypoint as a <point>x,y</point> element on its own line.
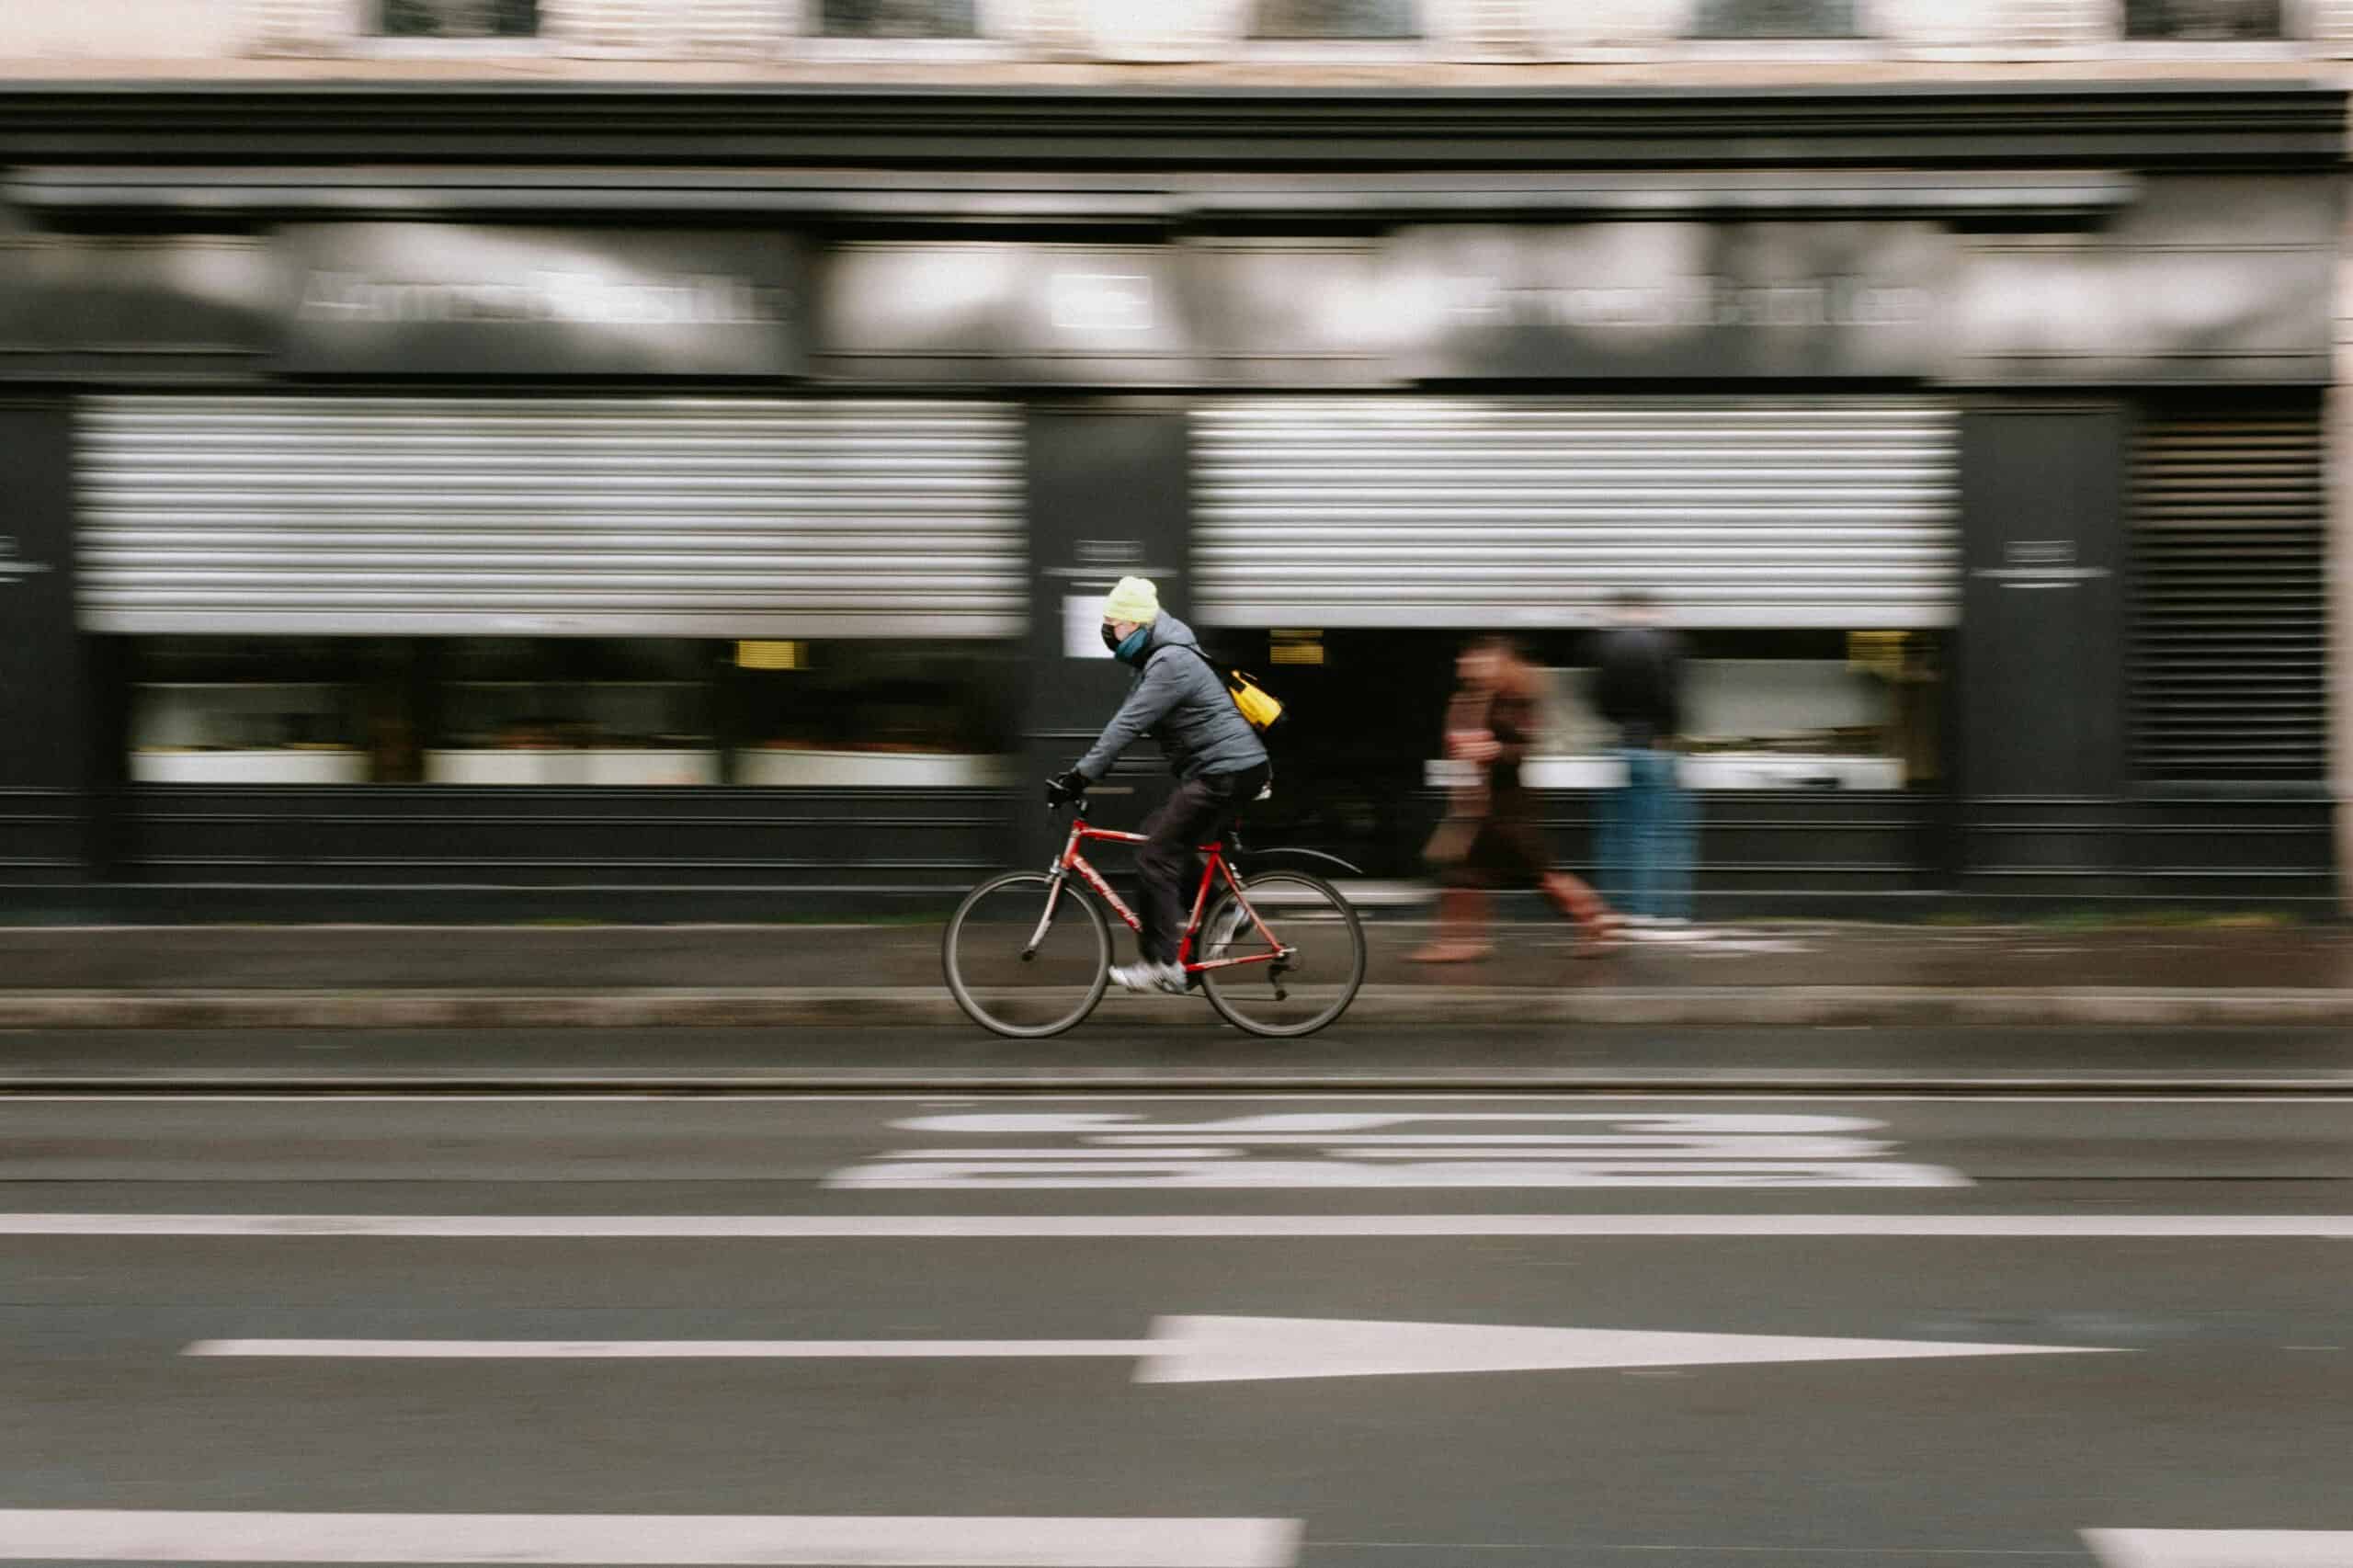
<point>1135,600</point>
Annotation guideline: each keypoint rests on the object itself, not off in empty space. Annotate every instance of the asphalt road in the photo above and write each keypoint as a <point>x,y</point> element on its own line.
<point>1103,1054</point>
<point>1101,1330</point>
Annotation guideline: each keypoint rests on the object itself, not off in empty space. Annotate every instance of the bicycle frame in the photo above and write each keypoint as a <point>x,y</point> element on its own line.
<point>1213,866</point>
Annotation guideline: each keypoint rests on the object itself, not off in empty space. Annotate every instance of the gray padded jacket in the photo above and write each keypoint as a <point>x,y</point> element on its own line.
<point>1178,700</point>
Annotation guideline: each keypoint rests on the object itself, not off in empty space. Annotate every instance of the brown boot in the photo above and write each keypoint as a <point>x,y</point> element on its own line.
<point>1597,928</point>
<point>1462,916</point>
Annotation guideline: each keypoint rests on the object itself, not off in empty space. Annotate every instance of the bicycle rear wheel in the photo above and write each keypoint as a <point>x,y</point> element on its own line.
<point>1285,997</point>
<point>1005,984</point>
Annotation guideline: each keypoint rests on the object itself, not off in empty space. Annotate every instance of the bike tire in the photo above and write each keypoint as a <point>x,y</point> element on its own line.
<point>1322,925</point>
<point>979,954</point>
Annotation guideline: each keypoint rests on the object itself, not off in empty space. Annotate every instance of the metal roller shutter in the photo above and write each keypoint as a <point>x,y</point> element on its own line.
<point>647,517</point>
<point>2230,614</point>
<point>1467,512</point>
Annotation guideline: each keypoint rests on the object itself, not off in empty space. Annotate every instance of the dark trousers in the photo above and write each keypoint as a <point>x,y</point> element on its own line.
<point>1168,869</point>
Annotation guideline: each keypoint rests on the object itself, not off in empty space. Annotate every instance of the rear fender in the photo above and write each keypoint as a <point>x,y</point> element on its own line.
<point>1316,861</point>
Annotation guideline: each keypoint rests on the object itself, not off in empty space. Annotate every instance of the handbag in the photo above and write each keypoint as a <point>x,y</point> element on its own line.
<point>1260,708</point>
<point>1466,806</point>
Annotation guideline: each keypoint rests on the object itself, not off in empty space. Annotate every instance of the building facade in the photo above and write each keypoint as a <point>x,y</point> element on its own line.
<point>484,481</point>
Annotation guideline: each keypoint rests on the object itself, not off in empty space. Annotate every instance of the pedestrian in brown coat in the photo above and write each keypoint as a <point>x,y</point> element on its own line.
<point>1490,838</point>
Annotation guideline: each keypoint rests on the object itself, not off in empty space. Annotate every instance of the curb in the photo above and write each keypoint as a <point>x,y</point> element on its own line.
<point>1393,1005</point>
<point>1797,1084</point>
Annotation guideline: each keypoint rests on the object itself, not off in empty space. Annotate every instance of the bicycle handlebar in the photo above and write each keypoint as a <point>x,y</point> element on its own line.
<point>1079,800</point>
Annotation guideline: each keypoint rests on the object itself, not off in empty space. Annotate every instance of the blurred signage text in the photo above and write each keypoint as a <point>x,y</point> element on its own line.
<point>1709,301</point>
<point>15,569</point>
<point>2041,564</point>
<point>1673,299</point>
<point>1004,310</point>
<point>426,298</point>
<point>1101,302</point>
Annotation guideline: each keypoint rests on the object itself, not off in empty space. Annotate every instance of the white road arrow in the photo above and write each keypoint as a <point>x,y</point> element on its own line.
<point>1211,1350</point>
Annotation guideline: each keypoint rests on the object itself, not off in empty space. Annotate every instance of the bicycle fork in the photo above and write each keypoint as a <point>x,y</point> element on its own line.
<point>1046,918</point>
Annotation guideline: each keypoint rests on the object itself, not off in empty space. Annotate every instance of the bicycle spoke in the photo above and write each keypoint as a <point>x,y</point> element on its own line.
<point>1300,980</point>
<point>1017,970</point>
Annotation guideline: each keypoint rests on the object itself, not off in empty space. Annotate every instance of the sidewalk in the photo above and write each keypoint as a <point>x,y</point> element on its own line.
<point>1782,973</point>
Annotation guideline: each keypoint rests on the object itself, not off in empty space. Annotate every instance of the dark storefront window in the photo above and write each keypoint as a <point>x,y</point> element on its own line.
<point>1777,20</point>
<point>1336,19</point>
<point>324,710</point>
<point>458,19</point>
<point>2203,21</point>
<point>899,18</point>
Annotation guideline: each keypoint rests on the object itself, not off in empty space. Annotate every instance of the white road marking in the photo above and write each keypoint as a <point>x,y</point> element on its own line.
<point>1292,1125</point>
<point>1226,1173</point>
<point>1214,1350</point>
<point>1054,1227</point>
<point>1696,1095</point>
<point>1230,1349</point>
<point>1124,1150</point>
<point>79,1535</point>
<point>2221,1548</point>
<point>664,1349</point>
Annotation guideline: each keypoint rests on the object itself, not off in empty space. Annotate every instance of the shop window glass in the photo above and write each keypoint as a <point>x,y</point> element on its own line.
<point>564,711</point>
<point>474,711</point>
<point>458,19</point>
<point>222,711</point>
<point>1777,20</point>
<point>899,18</point>
<point>859,712</point>
<point>1776,710</point>
<point>1336,19</point>
<point>2203,21</point>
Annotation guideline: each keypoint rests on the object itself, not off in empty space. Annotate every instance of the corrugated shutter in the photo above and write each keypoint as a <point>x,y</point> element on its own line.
<point>648,517</point>
<point>2230,623</point>
<point>1466,512</point>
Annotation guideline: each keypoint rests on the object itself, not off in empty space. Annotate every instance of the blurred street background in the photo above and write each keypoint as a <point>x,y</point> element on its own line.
<point>658,460</point>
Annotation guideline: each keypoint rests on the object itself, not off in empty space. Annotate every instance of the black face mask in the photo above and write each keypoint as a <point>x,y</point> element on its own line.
<point>1111,638</point>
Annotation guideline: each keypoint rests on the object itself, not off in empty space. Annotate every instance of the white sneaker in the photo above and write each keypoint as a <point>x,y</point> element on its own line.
<point>1144,975</point>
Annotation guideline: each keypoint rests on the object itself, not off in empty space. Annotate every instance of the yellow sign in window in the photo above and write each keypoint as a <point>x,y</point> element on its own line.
<point>771,655</point>
<point>1286,645</point>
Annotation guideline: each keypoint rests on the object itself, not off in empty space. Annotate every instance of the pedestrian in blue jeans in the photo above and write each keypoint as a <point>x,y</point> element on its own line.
<point>1647,822</point>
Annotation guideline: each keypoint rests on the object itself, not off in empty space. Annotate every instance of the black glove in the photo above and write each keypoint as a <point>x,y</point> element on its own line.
<point>1064,788</point>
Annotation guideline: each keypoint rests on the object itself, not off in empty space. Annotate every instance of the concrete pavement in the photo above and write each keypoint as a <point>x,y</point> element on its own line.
<point>1793,974</point>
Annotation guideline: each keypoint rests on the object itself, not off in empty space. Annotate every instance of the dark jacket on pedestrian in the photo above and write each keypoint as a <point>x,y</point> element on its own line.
<point>1179,702</point>
<point>1638,683</point>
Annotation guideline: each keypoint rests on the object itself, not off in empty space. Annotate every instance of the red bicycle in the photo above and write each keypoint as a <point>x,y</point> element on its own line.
<point>1028,953</point>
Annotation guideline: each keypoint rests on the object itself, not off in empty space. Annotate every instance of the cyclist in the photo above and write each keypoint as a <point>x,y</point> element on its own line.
<point>1177,700</point>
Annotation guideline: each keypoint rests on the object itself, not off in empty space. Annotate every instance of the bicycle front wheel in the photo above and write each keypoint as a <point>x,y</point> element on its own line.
<point>1018,969</point>
<point>1306,975</point>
